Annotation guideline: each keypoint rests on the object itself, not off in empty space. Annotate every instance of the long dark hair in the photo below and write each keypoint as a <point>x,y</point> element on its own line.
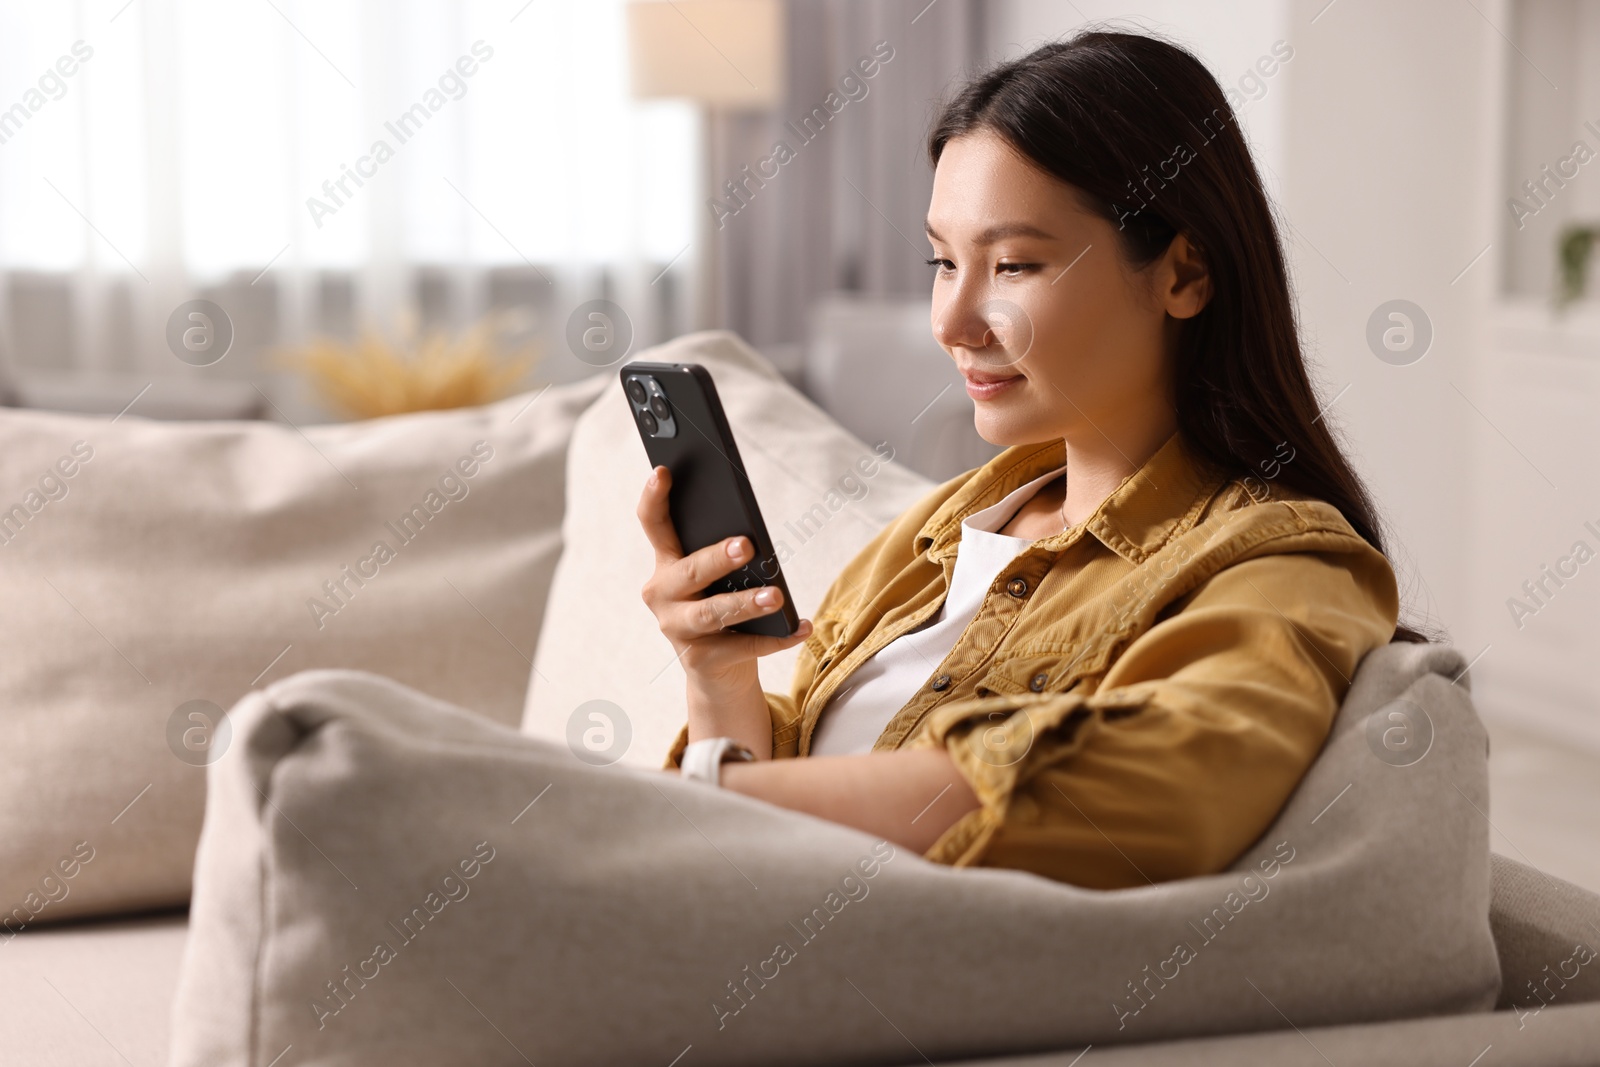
<point>1144,133</point>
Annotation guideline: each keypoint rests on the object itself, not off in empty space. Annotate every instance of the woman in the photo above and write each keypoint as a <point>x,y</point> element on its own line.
<point>1108,655</point>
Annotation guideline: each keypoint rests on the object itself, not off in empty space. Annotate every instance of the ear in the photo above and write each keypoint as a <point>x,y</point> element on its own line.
<point>1184,279</point>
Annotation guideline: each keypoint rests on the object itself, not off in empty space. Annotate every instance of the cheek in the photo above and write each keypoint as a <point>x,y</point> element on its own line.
<point>1067,330</point>
<point>1091,346</point>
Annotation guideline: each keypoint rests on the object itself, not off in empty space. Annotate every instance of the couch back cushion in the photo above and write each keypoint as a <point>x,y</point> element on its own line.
<point>604,678</point>
<point>152,573</point>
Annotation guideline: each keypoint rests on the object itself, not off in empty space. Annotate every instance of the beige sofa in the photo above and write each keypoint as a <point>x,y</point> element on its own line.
<point>100,992</point>
<point>98,985</point>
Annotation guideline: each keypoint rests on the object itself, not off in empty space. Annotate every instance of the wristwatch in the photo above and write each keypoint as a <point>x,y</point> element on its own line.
<point>703,760</point>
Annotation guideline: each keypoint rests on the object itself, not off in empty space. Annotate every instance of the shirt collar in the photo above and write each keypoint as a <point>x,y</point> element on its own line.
<point>1163,497</point>
<point>993,517</point>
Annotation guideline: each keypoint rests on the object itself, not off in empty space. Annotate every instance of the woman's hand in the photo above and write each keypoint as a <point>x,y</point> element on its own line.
<point>725,698</point>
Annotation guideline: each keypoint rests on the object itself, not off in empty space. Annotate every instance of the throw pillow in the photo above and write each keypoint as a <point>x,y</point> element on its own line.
<point>152,573</point>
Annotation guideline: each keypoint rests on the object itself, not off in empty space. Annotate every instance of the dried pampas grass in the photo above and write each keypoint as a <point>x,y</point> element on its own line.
<point>373,376</point>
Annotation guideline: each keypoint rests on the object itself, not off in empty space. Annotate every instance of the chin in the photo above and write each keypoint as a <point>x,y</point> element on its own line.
<point>1005,432</point>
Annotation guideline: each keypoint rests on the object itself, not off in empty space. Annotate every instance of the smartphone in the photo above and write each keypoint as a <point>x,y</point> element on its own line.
<point>681,422</point>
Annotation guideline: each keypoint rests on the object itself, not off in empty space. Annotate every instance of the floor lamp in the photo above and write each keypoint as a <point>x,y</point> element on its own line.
<point>727,56</point>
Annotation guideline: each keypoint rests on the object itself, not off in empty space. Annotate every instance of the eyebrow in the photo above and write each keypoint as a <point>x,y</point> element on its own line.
<point>998,232</point>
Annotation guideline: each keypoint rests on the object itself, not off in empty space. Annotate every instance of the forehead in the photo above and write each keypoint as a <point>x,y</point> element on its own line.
<point>982,179</point>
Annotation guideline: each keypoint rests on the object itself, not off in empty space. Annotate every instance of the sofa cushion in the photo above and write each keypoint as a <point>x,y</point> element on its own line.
<point>90,992</point>
<point>152,573</point>
<point>1547,932</point>
<point>823,494</point>
<point>1565,1036</point>
<point>384,878</point>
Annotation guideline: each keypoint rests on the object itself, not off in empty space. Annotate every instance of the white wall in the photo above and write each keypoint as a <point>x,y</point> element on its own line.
<point>1229,36</point>
<point>1389,182</point>
<point>1540,468</point>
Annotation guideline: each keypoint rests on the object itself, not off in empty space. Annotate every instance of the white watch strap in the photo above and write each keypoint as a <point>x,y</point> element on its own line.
<point>703,760</point>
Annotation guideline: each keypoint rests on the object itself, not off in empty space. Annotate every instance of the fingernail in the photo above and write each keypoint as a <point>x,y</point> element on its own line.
<point>804,627</point>
<point>765,596</point>
<point>736,548</point>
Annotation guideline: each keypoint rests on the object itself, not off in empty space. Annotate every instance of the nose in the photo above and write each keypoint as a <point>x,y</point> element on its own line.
<point>958,318</point>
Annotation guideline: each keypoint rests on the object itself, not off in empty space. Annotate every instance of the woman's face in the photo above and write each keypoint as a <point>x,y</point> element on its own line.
<point>1056,335</point>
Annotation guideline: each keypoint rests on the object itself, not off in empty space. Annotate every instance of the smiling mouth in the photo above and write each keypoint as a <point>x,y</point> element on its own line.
<point>986,386</point>
<point>976,378</point>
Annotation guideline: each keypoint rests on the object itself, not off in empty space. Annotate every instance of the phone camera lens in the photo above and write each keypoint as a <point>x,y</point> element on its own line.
<point>648,421</point>
<point>659,406</point>
<point>636,390</point>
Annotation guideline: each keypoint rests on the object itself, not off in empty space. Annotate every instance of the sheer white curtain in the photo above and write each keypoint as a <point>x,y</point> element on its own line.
<point>327,163</point>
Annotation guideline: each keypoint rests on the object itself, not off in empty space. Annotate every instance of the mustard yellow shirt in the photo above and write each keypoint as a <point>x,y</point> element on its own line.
<point>1139,694</point>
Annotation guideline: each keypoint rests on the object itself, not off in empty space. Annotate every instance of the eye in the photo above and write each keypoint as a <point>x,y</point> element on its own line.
<point>1013,270</point>
<point>941,265</point>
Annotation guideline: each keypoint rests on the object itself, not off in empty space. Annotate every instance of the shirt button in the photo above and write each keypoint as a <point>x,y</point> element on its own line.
<point>941,683</point>
<point>1036,683</point>
<point>1017,587</point>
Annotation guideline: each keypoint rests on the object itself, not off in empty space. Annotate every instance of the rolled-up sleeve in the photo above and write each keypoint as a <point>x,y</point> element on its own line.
<point>1191,744</point>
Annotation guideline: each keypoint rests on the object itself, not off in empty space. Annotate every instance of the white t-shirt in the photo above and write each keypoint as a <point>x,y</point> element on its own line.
<point>856,715</point>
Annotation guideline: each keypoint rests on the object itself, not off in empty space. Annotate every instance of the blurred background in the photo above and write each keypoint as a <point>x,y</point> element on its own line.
<point>381,206</point>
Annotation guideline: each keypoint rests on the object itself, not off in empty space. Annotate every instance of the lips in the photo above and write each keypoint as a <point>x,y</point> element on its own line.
<point>980,378</point>
<point>988,386</point>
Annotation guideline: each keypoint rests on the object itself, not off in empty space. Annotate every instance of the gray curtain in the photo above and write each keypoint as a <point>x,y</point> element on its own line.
<point>845,212</point>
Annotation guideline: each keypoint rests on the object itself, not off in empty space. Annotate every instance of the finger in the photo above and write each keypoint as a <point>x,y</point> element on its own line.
<point>714,613</point>
<point>689,575</point>
<point>733,646</point>
<point>762,645</point>
<point>656,519</point>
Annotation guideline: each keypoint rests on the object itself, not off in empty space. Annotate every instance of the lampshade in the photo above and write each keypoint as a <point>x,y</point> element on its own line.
<point>723,53</point>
